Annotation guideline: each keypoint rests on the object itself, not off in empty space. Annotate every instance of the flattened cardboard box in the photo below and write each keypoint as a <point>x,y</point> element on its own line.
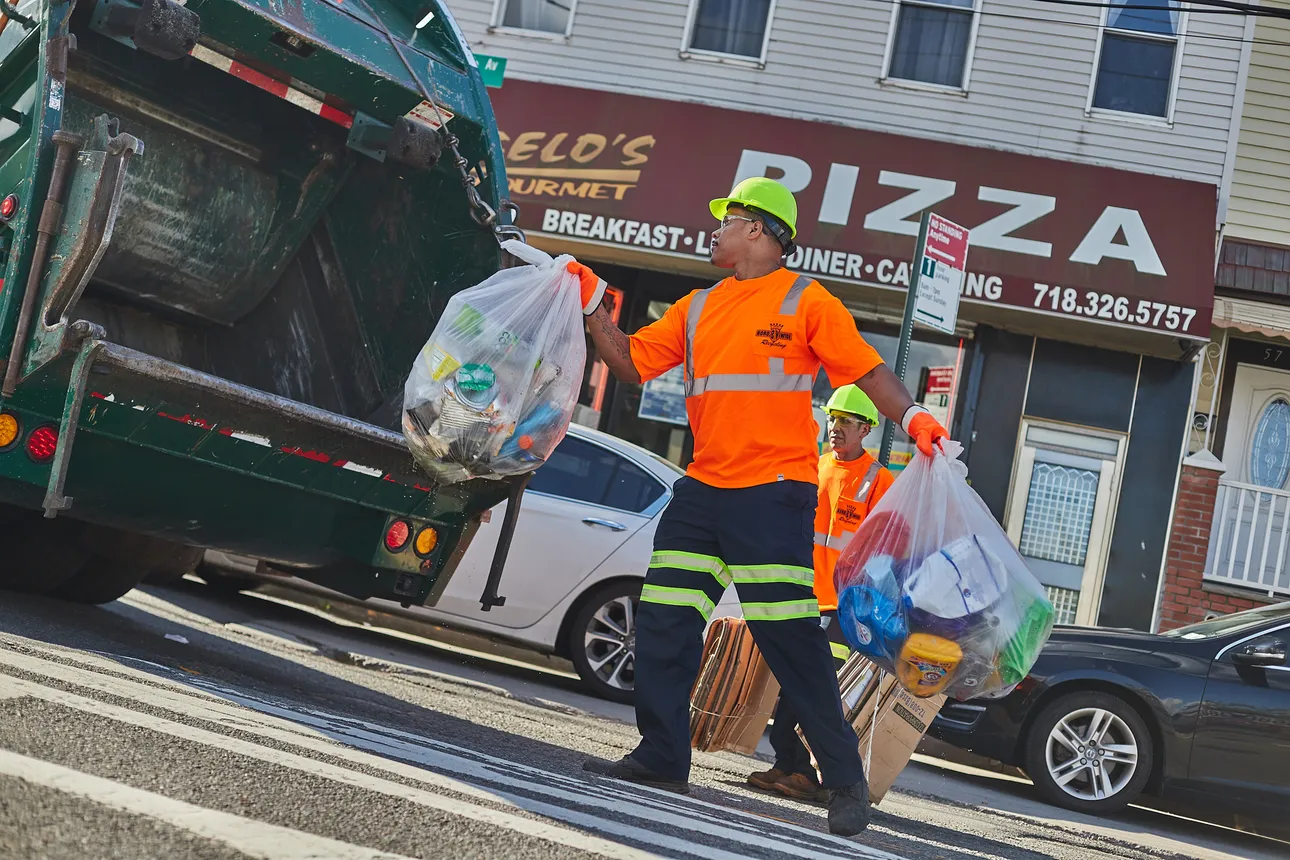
<point>735,693</point>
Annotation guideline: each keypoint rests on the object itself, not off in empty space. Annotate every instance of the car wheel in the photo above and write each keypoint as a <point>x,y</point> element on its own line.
<point>1090,752</point>
<point>602,641</point>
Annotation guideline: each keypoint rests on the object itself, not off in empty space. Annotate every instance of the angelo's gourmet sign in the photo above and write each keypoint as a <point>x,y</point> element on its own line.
<point>1052,237</point>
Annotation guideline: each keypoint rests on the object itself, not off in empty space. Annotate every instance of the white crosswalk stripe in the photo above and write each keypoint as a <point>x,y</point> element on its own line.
<point>252,838</point>
<point>599,816</point>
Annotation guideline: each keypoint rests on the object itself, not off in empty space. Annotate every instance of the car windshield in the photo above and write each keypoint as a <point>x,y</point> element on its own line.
<point>1234,623</point>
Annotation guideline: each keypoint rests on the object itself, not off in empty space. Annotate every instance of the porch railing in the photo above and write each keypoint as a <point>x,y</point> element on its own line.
<point>1250,538</point>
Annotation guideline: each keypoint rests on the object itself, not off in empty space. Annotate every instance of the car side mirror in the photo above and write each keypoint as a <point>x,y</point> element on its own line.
<point>1261,654</point>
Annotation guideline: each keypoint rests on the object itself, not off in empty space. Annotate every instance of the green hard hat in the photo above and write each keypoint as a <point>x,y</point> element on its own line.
<point>853,401</point>
<point>764,195</point>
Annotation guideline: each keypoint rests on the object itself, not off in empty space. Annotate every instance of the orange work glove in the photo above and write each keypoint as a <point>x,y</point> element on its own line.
<point>593,287</point>
<point>925,430</point>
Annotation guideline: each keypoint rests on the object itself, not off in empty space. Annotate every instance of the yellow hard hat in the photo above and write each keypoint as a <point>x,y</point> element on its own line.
<point>763,195</point>
<point>853,401</point>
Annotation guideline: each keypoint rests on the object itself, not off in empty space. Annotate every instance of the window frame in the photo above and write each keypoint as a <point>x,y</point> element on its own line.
<point>1180,40</point>
<point>688,53</point>
<point>495,24</point>
<point>885,79</point>
<point>650,511</point>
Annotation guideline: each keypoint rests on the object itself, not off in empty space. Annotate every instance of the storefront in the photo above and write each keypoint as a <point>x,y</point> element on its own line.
<point>1089,290</point>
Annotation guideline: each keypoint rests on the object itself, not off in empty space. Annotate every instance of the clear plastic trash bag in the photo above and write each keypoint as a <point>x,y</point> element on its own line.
<point>931,588</point>
<point>492,392</point>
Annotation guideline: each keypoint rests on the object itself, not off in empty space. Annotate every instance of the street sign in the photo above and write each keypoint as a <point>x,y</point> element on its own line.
<point>940,277</point>
<point>491,69</point>
<point>940,256</point>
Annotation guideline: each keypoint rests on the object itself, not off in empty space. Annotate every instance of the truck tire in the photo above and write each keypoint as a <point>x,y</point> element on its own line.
<point>170,570</point>
<point>101,580</point>
<point>40,554</point>
<point>120,560</point>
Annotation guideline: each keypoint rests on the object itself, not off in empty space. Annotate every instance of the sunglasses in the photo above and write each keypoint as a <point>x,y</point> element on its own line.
<point>849,421</point>
<point>725,222</point>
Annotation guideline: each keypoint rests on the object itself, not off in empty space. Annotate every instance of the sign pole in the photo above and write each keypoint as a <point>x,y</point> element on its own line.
<point>906,331</point>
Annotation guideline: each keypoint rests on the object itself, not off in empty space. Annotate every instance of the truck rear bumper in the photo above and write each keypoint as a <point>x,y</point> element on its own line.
<point>151,446</point>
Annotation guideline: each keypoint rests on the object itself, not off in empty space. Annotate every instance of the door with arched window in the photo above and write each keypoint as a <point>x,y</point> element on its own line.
<point>1250,537</point>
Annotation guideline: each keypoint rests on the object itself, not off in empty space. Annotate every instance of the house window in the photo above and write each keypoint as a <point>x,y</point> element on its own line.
<point>736,27</point>
<point>542,16</point>
<point>931,41</point>
<point>1137,57</point>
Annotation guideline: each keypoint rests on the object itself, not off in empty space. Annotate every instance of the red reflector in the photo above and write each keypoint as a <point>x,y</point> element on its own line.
<point>397,536</point>
<point>42,443</point>
<point>8,207</point>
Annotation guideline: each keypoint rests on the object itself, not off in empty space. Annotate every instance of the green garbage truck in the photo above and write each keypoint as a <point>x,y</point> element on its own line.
<point>226,229</point>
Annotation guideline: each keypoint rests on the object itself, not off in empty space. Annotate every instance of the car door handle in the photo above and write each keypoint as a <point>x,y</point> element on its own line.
<point>609,524</point>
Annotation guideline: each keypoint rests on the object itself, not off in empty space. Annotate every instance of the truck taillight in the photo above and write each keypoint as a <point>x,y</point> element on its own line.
<point>42,443</point>
<point>8,430</point>
<point>397,535</point>
<point>8,207</point>
<point>427,540</point>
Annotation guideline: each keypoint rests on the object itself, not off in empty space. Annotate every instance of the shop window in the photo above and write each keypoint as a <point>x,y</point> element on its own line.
<point>1138,57</point>
<point>539,16</point>
<point>931,41</point>
<point>734,27</point>
<point>1270,446</point>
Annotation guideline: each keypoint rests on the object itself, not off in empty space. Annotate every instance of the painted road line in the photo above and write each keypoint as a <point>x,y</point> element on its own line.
<point>516,781</point>
<point>485,815</point>
<point>246,835</point>
<point>593,844</point>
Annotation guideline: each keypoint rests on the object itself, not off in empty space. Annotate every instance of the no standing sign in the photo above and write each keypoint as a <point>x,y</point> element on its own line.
<point>940,278</point>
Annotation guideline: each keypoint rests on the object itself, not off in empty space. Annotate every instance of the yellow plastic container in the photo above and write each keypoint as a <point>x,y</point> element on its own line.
<point>926,664</point>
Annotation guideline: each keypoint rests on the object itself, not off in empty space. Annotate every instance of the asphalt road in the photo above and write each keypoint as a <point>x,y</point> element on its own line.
<point>181,723</point>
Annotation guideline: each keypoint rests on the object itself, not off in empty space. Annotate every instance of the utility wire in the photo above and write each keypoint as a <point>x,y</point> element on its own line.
<point>1190,35</point>
<point>1222,7</point>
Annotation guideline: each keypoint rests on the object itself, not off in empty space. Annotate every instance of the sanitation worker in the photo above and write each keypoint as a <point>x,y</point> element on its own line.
<point>851,483</point>
<point>750,347</point>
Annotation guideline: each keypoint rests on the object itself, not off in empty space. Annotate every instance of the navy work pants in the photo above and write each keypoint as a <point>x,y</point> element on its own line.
<point>761,539</point>
<point>791,755</point>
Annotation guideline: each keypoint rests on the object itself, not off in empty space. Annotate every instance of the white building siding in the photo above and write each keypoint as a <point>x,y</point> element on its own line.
<point>1257,210</point>
<point>1028,89</point>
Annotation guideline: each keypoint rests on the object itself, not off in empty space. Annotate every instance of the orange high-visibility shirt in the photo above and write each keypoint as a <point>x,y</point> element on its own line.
<point>751,350</point>
<point>848,491</point>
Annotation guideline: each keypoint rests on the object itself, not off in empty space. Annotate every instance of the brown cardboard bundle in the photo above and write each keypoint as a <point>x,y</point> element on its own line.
<point>887,742</point>
<point>735,692</point>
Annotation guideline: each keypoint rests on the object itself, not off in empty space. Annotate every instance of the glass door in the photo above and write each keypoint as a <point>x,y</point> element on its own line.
<point>1060,513</point>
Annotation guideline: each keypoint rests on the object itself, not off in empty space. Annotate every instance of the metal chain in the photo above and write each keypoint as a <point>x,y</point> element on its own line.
<point>483,214</point>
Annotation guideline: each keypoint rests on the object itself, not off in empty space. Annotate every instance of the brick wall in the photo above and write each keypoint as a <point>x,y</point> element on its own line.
<point>1186,598</point>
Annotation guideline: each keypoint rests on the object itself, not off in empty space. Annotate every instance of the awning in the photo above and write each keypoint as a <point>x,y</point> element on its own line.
<point>1252,317</point>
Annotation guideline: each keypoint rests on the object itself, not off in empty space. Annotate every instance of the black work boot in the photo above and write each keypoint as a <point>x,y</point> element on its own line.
<point>849,809</point>
<point>633,771</point>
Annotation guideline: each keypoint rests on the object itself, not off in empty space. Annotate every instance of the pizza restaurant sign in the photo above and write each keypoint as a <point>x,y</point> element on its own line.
<point>1052,237</point>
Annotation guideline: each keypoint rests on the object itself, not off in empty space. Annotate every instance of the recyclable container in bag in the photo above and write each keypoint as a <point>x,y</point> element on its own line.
<point>491,393</point>
<point>931,588</point>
